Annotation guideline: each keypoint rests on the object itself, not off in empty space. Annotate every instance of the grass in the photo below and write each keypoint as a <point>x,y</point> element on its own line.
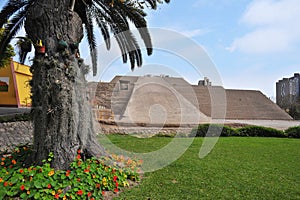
<point>237,168</point>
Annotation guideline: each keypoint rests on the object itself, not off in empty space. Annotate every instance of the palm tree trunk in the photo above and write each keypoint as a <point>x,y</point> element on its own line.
<point>61,113</point>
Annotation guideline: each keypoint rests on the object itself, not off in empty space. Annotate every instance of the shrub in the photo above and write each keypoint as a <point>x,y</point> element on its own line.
<point>15,118</point>
<point>85,179</point>
<point>213,130</point>
<point>293,132</point>
<point>260,131</point>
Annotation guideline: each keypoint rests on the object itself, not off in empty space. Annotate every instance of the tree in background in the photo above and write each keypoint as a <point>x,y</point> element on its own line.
<point>7,54</point>
<point>61,113</point>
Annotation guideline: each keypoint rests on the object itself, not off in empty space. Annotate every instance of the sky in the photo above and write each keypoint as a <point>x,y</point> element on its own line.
<point>251,44</point>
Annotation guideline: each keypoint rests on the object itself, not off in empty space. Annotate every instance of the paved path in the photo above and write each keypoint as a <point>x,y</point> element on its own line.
<point>13,111</point>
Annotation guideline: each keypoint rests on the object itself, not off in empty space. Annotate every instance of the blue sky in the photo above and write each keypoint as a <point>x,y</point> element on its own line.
<point>252,43</point>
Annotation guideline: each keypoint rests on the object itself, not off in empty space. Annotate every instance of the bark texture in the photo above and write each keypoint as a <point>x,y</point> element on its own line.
<point>62,117</point>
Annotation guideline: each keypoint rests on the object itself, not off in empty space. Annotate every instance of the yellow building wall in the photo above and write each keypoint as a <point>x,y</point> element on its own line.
<point>23,76</point>
<point>18,94</point>
<point>8,98</point>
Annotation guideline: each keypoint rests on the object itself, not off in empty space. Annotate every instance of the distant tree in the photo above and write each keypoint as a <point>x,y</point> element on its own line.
<point>7,54</point>
<point>61,113</point>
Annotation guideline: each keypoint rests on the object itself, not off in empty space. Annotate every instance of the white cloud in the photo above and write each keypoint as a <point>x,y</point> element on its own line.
<point>190,33</point>
<point>274,27</point>
<point>194,33</point>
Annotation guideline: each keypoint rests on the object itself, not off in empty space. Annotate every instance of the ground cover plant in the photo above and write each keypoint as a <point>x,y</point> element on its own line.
<point>85,179</point>
<point>237,168</point>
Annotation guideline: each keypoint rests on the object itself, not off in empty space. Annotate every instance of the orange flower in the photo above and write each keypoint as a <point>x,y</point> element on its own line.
<point>97,185</point>
<point>3,159</point>
<point>103,193</point>
<point>86,171</point>
<point>21,171</point>
<point>28,192</point>
<point>22,187</point>
<point>1,180</point>
<point>51,173</point>
<point>2,163</point>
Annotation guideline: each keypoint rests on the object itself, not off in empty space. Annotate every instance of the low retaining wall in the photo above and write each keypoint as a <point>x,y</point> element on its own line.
<point>15,133</point>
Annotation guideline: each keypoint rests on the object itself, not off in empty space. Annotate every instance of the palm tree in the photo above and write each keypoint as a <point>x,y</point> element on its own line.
<point>61,114</point>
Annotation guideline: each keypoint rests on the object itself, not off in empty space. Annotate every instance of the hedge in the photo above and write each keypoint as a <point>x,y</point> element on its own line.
<point>293,132</point>
<point>213,130</point>
<point>260,131</point>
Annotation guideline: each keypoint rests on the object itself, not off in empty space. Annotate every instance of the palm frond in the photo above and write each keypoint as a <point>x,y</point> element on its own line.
<point>10,9</point>
<point>12,28</point>
<point>104,31</point>
<point>137,16</point>
<point>89,28</point>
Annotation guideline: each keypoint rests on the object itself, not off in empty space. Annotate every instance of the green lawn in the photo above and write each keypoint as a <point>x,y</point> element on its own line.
<point>237,168</point>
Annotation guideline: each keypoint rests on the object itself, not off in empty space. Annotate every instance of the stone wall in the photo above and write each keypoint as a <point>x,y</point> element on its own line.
<point>13,134</point>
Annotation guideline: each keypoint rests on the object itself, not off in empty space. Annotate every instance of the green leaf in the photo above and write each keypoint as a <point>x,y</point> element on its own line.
<point>2,194</point>
<point>38,184</point>
<point>23,196</point>
<point>63,176</point>
<point>37,196</point>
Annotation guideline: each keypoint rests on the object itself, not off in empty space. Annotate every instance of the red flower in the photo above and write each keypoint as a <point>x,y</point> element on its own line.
<point>86,171</point>
<point>78,179</point>
<point>116,190</point>
<point>68,173</point>
<point>89,194</point>
<point>13,162</point>
<point>92,198</point>
<point>115,178</point>
<point>103,193</point>
<point>5,184</point>
<point>22,187</point>
<point>97,185</point>
<point>49,186</point>
<point>78,151</point>
<point>117,184</point>
<point>78,157</point>
<point>79,192</point>
<point>56,196</point>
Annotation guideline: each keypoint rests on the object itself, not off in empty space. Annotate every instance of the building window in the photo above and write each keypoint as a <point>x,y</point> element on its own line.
<point>124,85</point>
<point>4,83</point>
